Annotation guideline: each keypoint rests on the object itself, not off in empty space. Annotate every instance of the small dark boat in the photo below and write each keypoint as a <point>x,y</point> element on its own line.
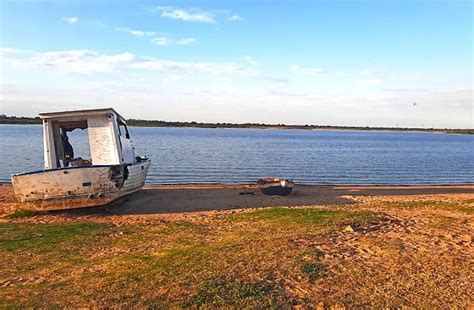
<point>276,186</point>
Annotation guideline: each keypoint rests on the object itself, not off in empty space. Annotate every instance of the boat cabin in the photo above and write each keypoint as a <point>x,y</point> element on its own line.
<point>69,181</point>
<point>109,139</point>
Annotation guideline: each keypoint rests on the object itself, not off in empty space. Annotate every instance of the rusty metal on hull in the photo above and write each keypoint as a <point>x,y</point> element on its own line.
<point>67,203</point>
<point>79,187</point>
<point>67,181</point>
<point>118,174</point>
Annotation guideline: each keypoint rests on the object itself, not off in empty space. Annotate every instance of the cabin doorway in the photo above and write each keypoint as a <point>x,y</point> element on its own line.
<point>77,151</point>
<point>71,140</point>
<point>128,152</point>
<point>86,138</point>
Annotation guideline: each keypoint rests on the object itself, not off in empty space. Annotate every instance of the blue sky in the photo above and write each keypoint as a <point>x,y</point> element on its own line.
<point>300,62</point>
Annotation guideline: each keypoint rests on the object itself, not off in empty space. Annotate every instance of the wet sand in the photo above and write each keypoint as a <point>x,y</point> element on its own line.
<point>163,199</point>
<point>175,199</point>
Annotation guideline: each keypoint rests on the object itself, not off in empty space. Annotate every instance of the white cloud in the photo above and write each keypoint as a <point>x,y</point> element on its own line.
<point>186,41</point>
<point>367,72</point>
<point>70,20</point>
<point>273,79</point>
<point>160,41</point>
<point>406,90</point>
<point>136,33</point>
<point>86,62</point>
<point>234,18</point>
<point>251,60</point>
<point>214,68</point>
<point>307,70</point>
<point>174,77</point>
<point>77,61</point>
<point>373,81</point>
<point>133,98</point>
<point>279,92</point>
<point>370,77</point>
<point>9,50</point>
<point>191,15</point>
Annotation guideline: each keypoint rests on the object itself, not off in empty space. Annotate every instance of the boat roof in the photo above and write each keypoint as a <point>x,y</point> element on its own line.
<point>80,114</point>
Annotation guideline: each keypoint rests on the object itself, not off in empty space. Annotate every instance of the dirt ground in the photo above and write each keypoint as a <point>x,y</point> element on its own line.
<point>222,246</point>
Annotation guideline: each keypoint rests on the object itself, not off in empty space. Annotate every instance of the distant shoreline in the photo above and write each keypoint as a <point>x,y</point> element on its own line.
<point>12,120</point>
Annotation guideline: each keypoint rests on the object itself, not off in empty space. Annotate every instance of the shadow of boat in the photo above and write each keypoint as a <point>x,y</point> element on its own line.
<point>179,199</point>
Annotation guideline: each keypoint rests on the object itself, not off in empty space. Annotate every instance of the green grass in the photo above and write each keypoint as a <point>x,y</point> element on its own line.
<point>310,264</point>
<point>432,204</point>
<point>314,270</point>
<point>45,237</point>
<point>226,262</point>
<point>304,216</point>
<point>173,228</point>
<point>21,213</point>
<point>469,211</point>
<point>236,293</point>
<point>267,258</point>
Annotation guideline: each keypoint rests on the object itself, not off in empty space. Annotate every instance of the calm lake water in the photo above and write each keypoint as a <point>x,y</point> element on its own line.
<point>193,155</point>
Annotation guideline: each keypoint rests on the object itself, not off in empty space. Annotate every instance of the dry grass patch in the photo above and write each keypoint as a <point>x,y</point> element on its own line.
<point>275,257</point>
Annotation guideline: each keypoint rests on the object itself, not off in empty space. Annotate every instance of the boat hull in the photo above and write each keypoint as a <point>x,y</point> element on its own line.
<point>275,186</point>
<point>276,189</point>
<point>78,187</point>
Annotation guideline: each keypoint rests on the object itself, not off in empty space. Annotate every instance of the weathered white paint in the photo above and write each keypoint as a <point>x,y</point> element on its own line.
<point>116,135</point>
<point>136,176</point>
<point>49,151</point>
<point>74,115</point>
<point>103,145</point>
<point>108,178</point>
<point>62,183</point>
<point>93,185</point>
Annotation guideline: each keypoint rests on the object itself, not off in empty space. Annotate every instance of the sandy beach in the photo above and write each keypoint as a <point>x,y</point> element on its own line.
<point>171,199</point>
<point>220,246</point>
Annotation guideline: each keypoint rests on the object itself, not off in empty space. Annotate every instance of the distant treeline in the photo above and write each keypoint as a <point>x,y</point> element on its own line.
<point>156,123</point>
<point>19,120</point>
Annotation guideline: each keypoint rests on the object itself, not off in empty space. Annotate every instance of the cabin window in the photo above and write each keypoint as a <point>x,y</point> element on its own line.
<point>79,139</point>
<point>72,147</point>
<point>85,141</point>
<point>128,154</point>
<point>124,131</point>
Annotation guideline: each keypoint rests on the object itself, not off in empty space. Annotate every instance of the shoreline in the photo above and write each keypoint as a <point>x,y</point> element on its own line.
<point>251,185</point>
<point>185,199</point>
<point>169,124</point>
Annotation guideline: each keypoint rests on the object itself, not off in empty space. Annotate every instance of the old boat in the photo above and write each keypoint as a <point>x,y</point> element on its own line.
<point>67,182</point>
<point>275,186</point>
